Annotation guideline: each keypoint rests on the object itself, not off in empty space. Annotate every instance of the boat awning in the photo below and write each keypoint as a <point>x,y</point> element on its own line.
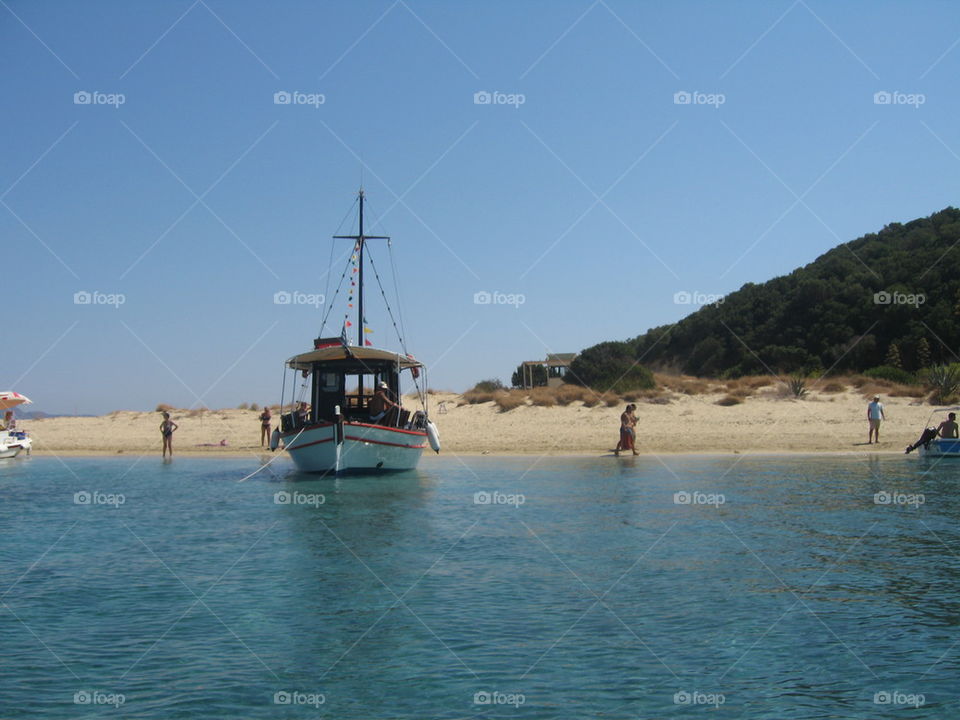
<point>360,355</point>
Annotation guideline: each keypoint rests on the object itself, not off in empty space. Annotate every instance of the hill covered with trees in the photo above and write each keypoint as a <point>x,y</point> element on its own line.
<point>890,298</point>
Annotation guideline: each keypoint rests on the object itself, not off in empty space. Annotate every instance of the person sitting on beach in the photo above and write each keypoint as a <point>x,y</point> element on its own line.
<point>167,428</point>
<point>265,419</point>
<point>381,407</point>
<point>948,428</point>
<point>628,432</point>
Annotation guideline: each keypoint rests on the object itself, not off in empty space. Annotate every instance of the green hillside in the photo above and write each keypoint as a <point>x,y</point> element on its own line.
<point>884,299</point>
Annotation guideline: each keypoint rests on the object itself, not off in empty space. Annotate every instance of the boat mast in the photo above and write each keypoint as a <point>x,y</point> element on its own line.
<point>360,239</point>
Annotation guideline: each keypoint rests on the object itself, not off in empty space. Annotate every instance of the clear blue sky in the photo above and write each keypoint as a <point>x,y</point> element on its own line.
<point>598,198</point>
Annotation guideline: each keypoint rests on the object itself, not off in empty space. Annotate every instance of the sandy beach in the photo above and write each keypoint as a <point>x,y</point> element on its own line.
<point>678,423</point>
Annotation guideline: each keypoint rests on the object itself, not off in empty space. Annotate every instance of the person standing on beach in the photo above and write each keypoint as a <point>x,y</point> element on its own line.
<point>628,431</point>
<point>875,416</point>
<point>167,427</point>
<point>265,425</point>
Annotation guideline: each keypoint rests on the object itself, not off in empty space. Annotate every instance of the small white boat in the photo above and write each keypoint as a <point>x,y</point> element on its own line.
<point>930,444</point>
<point>12,441</point>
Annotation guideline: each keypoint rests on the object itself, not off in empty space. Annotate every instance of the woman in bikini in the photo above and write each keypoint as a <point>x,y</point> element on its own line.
<point>265,426</point>
<point>166,432</point>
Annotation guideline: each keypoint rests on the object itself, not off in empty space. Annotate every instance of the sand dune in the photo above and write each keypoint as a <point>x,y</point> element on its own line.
<point>765,422</point>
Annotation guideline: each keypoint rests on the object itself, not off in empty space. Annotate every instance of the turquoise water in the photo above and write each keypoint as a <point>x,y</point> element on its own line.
<point>581,589</point>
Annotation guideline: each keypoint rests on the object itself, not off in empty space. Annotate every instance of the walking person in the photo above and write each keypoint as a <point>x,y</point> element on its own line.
<point>875,416</point>
<point>628,430</point>
<point>265,419</point>
<point>167,428</point>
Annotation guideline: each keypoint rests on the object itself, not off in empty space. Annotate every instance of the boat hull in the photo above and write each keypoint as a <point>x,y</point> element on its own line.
<point>941,447</point>
<point>365,448</point>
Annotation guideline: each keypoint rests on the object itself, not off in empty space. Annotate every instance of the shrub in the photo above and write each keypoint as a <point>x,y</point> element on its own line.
<point>163,407</point>
<point>509,400</point>
<point>945,380</point>
<point>254,406</point>
<point>610,366</point>
<point>893,374</point>
<point>833,387</point>
<point>489,386</point>
<point>243,406</point>
<point>611,399</point>
<point>544,397</point>
<point>566,394</point>
<point>476,397</point>
<point>797,385</point>
<point>729,400</point>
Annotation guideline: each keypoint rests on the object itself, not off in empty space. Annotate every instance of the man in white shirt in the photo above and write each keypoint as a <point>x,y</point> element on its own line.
<point>875,416</point>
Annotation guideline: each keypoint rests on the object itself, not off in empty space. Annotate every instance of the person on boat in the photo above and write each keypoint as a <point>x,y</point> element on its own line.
<point>382,408</point>
<point>303,413</point>
<point>628,430</point>
<point>167,428</point>
<point>875,416</point>
<point>9,423</point>
<point>265,419</point>
<point>926,436</point>
<point>948,428</point>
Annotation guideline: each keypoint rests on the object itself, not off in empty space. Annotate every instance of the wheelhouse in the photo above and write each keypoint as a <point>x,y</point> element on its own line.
<point>336,381</point>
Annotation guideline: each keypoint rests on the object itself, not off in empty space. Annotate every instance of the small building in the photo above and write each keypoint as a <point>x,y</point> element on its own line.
<point>556,365</point>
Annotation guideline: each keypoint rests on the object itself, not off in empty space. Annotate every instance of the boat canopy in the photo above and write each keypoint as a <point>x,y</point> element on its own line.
<point>340,354</point>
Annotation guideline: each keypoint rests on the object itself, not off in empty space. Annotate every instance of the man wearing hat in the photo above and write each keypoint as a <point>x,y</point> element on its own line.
<point>875,416</point>
<point>381,406</point>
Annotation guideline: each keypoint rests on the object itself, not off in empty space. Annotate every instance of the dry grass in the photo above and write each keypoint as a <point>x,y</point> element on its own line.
<point>477,397</point>
<point>566,394</point>
<point>728,400</point>
<point>683,384</point>
<point>511,399</point>
<point>163,407</point>
<point>543,397</point>
<point>833,387</point>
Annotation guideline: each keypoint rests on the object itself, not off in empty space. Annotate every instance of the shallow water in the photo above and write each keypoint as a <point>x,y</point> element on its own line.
<point>569,587</point>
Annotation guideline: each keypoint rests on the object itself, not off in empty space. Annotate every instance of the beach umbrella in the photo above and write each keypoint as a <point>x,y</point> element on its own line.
<point>9,399</point>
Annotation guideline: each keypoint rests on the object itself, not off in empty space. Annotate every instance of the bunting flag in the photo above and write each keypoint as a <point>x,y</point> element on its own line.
<point>367,330</point>
<point>368,343</point>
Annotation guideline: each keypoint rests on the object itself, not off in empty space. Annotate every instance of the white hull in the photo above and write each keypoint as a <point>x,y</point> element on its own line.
<point>11,445</point>
<point>940,447</point>
<point>365,448</point>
